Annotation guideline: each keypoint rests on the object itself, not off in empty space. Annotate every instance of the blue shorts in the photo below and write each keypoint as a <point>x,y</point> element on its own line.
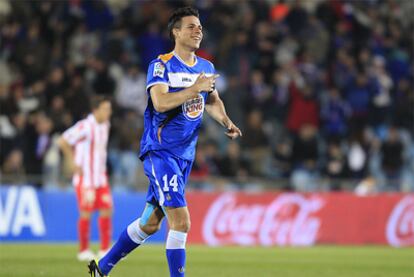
<point>167,178</point>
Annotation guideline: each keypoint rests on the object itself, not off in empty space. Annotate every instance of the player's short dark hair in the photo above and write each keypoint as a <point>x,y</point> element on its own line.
<point>175,19</point>
<point>97,100</point>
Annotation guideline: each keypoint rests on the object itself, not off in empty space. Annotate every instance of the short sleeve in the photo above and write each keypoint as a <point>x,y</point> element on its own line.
<point>157,74</point>
<point>76,133</point>
<point>213,69</point>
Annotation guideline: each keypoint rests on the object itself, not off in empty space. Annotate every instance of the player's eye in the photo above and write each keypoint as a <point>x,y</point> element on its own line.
<point>195,27</point>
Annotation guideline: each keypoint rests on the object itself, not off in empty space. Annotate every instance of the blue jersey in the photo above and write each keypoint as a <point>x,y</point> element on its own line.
<point>175,131</point>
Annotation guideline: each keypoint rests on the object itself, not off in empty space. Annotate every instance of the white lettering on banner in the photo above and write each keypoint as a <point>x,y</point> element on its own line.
<point>400,226</point>
<point>27,212</point>
<point>287,220</point>
<point>7,213</point>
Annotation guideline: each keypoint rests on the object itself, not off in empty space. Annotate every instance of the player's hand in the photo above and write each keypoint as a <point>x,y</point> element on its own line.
<point>204,83</point>
<point>233,131</point>
<point>75,169</point>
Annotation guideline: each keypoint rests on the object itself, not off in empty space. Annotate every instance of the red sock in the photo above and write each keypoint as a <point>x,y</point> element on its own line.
<point>83,233</point>
<point>105,230</point>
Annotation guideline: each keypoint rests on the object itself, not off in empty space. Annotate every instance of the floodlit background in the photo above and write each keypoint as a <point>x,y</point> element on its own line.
<point>322,90</point>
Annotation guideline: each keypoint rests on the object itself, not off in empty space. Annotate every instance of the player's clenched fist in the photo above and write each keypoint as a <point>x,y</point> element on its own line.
<point>204,83</point>
<point>233,131</point>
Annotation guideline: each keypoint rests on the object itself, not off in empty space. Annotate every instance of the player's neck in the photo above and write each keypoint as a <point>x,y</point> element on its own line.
<point>186,56</point>
<point>97,118</point>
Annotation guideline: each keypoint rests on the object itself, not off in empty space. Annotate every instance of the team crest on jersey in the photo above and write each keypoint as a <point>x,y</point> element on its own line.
<point>159,69</point>
<point>193,109</point>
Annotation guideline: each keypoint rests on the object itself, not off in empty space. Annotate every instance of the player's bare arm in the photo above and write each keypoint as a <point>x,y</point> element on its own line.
<point>215,108</point>
<point>164,101</point>
<point>67,150</point>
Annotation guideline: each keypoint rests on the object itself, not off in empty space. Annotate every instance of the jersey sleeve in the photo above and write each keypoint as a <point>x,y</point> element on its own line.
<point>157,74</point>
<point>213,69</point>
<point>76,133</point>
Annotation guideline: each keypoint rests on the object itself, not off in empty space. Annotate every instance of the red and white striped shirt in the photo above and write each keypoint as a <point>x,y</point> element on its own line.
<point>89,139</point>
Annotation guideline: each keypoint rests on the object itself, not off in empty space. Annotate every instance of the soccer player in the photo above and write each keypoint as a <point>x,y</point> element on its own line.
<point>180,85</point>
<point>85,147</point>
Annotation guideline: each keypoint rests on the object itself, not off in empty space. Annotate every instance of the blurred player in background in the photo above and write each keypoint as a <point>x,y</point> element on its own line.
<point>84,145</point>
<point>180,85</point>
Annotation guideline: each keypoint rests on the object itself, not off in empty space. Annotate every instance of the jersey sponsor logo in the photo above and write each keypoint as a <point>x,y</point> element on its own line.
<point>183,79</point>
<point>288,220</point>
<point>400,226</point>
<point>193,109</point>
<point>159,69</point>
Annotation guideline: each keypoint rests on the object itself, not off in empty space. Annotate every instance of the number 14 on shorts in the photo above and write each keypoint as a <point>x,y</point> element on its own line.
<point>172,183</point>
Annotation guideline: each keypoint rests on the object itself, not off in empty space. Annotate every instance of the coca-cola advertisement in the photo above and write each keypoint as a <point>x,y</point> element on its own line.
<point>294,219</point>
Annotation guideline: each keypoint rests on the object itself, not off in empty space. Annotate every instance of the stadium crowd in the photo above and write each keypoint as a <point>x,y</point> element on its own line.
<point>322,90</point>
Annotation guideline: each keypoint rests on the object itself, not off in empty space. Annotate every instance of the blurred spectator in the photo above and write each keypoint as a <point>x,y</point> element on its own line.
<point>12,134</point>
<point>82,45</point>
<point>297,18</point>
<point>343,69</point>
<point>61,118</point>
<point>359,94</point>
<point>7,104</point>
<point>232,164</point>
<point>234,98</point>
<point>131,93</point>
<point>151,43</point>
<point>98,16</point>
<point>212,157</point>
<point>55,86</point>
<point>201,171</point>
<point>31,54</point>
<point>404,103</point>
<point>260,93</point>
<point>76,98</point>
<point>335,166</point>
<point>358,155</point>
<point>102,83</point>
<point>316,40</point>
<point>237,57</point>
<point>305,148</point>
<point>280,94</point>
<point>38,136</point>
<point>392,158</point>
<point>303,108</point>
<point>13,169</point>
<point>335,114</point>
<point>124,161</point>
<point>282,158</point>
<point>256,143</point>
<point>304,158</point>
<point>382,100</point>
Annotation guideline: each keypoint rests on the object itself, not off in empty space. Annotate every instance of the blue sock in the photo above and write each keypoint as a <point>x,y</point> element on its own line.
<point>130,238</point>
<point>176,253</point>
<point>176,262</point>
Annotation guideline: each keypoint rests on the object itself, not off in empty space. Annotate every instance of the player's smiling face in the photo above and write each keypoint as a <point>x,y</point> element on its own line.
<point>191,32</point>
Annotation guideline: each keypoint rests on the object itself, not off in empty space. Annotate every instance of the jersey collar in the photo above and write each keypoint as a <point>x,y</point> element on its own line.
<point>183,62</point>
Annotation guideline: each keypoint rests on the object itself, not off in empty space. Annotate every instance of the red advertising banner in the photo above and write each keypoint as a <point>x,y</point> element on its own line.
<point>293,219</point>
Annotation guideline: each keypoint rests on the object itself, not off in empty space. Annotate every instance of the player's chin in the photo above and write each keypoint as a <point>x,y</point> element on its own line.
<point>196,45</point>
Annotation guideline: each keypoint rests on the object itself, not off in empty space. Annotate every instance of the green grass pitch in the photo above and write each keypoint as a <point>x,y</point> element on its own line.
<point>58,260</point>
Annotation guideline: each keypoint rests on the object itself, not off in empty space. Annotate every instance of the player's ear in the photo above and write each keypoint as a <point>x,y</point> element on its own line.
<point>175,32</point>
